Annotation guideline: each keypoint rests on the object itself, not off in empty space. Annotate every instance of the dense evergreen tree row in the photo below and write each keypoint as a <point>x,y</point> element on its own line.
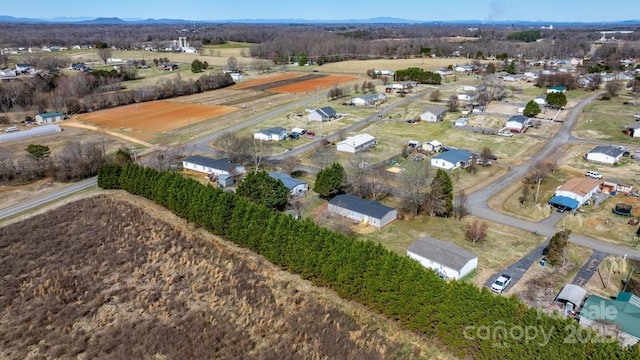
<point>471,322</point>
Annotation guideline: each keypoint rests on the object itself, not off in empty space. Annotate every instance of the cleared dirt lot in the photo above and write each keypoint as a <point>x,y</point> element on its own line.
<point>158,116</point>
<point>310,85</point>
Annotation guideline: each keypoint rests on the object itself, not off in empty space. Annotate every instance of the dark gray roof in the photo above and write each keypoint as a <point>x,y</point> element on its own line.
<point>607,150</point>
<point>273,131</point>
<point>287,180</point>
<point>454,156</point>
<point>367,207</point>
<point>633,125</point>
<point>519,118</point>
<point>326,111</point>
<point>445,253</point>
<point>571,293</point>
<point>220,164</point>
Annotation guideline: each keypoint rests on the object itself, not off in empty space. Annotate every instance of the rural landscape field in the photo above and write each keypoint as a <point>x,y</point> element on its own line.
<point>141,276</point>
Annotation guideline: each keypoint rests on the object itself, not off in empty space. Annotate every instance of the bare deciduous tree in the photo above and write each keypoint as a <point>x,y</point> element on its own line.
<point>289,164</point>
<point>232,62</point>
<point>104,54</point>
<point>614,87</point>
<point>413,185</point>
<point>452,103</point>
<point>435,95</point>
<point>460,206</point>
<point>476,231</point>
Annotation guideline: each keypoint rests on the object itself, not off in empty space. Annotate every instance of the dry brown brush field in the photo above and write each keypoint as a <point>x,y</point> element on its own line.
<point>102,278</point>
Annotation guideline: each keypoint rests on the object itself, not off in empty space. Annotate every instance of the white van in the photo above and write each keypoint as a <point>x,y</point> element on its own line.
<point>11,129</point>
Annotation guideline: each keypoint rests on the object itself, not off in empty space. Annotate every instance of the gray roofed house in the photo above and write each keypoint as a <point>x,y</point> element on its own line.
<point>633,129</point>
<point>275,133</point>
<point>605,154</point>
<point>326,113</point>
<point>452,159</point>
<point>295,186</point>
<point>211,166</point>
<point>433,113</point>
<point>518,123</point>
<point>366,211</point>
<point>446,258</point>
<point>365,100</point>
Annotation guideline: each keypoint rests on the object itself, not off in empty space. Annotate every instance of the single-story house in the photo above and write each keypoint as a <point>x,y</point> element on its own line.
<point>605,154</point>
<point>557,89</point>
<point>514,78</point>
<point>619,317</point>
<point>466,97</point>
<point>517,123</point>
<point>275,133</point>
<point>366,211</point>
<point>611,185</point>
<point>452,159</point>
<point>296,187</point>
<point>326,113</point>
<point>211,166</point>
<point>7,72</point>
<point>445,258</point>
<point>541,100</point>
<point>356,143</point>
<point>575,192</point>
<point>461,122</point>
<point>365,100</point>
<point>433,113</point>
<point>444,72</point>
<point>22,68</point>
<point>432,146</point>
<point>236,76</point>
<point>48,118</point>
<point>633,129</point>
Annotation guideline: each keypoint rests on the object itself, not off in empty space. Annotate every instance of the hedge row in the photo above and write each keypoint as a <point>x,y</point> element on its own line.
<point>472,322</point>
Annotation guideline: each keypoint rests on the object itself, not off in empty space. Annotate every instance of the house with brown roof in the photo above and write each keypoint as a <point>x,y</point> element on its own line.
<point>575,192</point>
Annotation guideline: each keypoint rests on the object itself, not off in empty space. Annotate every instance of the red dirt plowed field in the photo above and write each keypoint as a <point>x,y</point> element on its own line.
<point>310,85</point>
<point>266,80</point>
<point>158,116</point>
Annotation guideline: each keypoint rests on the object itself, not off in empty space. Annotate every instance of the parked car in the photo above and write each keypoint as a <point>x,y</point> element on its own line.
<point>483,162</point>
<point>593,174</point>
<point>637,116</point>
<point>310,133</point>
<point>501,283</point>
<point>505,133</point>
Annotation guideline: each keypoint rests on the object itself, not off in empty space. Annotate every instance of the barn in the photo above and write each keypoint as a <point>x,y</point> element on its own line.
<point>48,118</point>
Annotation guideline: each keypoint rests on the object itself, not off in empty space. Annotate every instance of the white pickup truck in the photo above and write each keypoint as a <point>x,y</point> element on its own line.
<point>501,283</point>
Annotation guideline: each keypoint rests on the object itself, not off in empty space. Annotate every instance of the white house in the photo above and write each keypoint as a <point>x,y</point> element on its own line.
<point>517,123</point>
<point>323,114</point>
<point>431,146</point>
<point>447,259</point>
<point>236,76</point>
<point>466,97</point>
<point>366,211</point>
<point>296,187</point>
<point>605,154</point>
<point>575,192</point>
<point>274,133</point>
<point>433,113</point>
<point>452,159</point>
<point>461,122</point>
<point>444,72</point>
<point>540,100</point>
<point>7,72</point>
<point>48,118</point>
<point>633,129</point>
<point>209,166</point>
<point>365,100</point>
<point>356,143</point>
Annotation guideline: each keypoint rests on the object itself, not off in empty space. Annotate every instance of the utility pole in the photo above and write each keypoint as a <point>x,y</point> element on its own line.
<point>538,189</point>
<point>624,289</point>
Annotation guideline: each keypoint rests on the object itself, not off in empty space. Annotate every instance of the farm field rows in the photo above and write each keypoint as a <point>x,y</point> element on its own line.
<point>156,116</point>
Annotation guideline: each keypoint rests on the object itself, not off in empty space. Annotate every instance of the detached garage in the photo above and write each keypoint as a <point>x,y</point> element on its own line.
<point>48,118</point>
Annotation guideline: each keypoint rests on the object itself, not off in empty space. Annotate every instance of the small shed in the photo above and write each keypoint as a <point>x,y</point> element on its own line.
<point>225,180</point>
<point>461,122</point>
<point>615,185</point>
<point>432,146</point>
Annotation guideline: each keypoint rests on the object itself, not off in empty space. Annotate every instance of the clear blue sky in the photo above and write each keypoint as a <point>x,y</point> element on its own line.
<point>421,10</point>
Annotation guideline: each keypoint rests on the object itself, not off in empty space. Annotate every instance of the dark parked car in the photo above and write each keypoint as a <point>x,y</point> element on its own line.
<point>310,133</point>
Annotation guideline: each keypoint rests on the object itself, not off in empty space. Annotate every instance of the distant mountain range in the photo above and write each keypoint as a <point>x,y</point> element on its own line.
<point>377,20</point>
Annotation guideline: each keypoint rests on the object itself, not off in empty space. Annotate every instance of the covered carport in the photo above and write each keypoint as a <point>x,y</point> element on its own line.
<point>563,203</point>
<point>572,297</point>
